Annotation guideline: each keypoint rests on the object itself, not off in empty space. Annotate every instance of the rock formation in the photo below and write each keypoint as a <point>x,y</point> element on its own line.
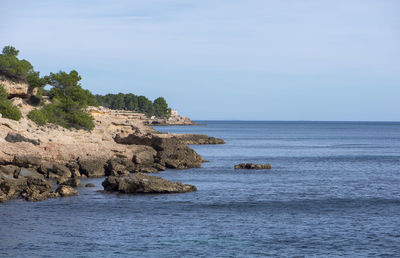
<point>141,183</point>
<point>116,147</point>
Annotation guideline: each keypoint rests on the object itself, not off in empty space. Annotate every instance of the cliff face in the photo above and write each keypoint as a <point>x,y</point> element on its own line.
<point>17,88</point>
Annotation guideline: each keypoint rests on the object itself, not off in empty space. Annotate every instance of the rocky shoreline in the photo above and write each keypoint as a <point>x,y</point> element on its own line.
<point>119,147</point>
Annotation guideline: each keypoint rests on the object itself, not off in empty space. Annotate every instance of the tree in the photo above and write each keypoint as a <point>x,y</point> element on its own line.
<point>10,51</point>
<point>63,82</point>
<point>68,102</point>
<point>161,108</point>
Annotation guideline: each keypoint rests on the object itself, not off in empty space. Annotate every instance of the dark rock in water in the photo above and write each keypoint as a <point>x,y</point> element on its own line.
<point>92,167</point>
<point>30,188</point>
<point>117,167</point>
<point>199,139</point>
<point>142,183</point>
<point>90,185</point>
<point>74,182</point>
<point>16,137</point>
<point>171,152</point>
<point>66,190</point>
<point>252,166</point>
<point>37,190</point>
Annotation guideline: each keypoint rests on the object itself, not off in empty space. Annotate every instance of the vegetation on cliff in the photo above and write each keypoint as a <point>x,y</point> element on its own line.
<point>7,109</point>
<point>158,107</point>
<point>68,103</point>
<point>68,99</point>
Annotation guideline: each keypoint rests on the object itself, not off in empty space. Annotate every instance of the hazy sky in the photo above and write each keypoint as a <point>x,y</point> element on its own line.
<point>228,59</point>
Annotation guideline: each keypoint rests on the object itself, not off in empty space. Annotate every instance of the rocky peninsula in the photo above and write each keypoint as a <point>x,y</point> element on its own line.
<point>119,147</point>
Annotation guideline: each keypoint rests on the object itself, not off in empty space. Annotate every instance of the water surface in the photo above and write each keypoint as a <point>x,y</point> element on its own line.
<point>333,191</point>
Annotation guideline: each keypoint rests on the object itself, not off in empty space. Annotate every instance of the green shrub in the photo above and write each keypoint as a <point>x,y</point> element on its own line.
<point>3,92</point>
<point>8,110</point>
<point>56,113</point>
<point>37,116</point>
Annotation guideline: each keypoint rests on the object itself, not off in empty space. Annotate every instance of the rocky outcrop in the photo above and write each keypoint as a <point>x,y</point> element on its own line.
<point>252,166</point>
<point>170,152</point>
<point>92,167</point>
<point>29,188</point>
<point>198,139</point>
<point>15,88</point>
<point>118,146</point>
<point>141,183</point>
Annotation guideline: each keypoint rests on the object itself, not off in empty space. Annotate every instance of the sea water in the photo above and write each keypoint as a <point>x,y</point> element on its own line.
<point>333,190</point>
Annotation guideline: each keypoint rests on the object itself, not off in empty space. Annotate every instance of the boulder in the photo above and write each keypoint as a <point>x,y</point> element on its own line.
<point>37,190</point>
<point>66,190</point>
<point>142,183</point>
<point>30,188</point>
<point>26,161</point>
<point>145,158</point>
<point>92,167</point>
<point>54,170</point>
<point>117,167</point>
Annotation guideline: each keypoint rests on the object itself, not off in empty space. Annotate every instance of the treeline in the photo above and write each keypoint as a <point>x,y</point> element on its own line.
<point>68,99</point>
<point>158,107</point>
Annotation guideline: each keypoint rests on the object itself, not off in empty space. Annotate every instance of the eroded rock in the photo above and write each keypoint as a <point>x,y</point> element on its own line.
<point>142,183</point>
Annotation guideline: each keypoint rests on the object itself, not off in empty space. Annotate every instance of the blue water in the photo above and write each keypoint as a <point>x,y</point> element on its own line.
<point>334,190</point>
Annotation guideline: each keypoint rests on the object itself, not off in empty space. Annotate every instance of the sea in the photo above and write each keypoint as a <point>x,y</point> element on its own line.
<point>333,191</point>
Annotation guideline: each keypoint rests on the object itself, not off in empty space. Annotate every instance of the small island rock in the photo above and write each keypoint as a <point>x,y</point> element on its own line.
<point>252,166</point>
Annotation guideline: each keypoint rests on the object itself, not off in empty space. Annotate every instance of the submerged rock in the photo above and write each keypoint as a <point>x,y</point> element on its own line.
<point>252,166</point>
<point>89,185</point>
<point>141,183</point>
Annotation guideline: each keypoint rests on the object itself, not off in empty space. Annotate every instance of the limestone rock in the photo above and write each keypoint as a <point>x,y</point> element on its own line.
<point>141,183</point>
<point>118,167</point>
<point>15,88</point>
<point>92,167</point>
<point>65,190</point>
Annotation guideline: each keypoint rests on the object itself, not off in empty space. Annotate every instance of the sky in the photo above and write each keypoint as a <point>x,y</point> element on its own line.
<point>313,60</point>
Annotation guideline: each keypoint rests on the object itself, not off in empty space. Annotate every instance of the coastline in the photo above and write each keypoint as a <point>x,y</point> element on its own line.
<point>119,145</point>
